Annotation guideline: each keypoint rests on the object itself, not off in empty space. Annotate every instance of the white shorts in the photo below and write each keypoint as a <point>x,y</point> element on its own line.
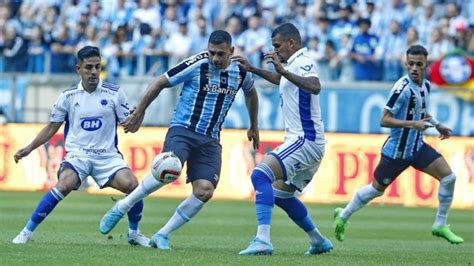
<point>299,159</point>
<point>100,169</point>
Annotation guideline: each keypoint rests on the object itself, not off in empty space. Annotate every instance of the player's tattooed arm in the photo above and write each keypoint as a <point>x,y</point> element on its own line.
<point>269,76</point>
<point>251,100</point>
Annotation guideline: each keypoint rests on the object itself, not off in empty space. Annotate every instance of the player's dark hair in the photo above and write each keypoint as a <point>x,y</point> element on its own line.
<point>417,50</point>
<point>220,36</point>
<point>87,52</point>
<point>287,31</point>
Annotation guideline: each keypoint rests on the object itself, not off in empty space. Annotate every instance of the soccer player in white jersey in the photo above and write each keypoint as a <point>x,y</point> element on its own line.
<point>91,109</point>
<point>291,166</point>
<point>406,115</point>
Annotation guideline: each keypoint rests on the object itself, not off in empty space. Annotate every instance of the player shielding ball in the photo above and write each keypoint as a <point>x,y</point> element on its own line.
<point>211,81</point>
<point>406,115</point>
<point>91,109</point>
<point>292,165</point>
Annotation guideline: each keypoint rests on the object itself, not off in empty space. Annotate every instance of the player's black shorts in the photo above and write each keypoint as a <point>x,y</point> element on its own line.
<point>202,153</point>
<point>389,169</point>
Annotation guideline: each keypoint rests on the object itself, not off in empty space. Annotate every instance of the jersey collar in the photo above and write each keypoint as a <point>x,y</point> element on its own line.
<point>296,54</point>
<point>79,86</point>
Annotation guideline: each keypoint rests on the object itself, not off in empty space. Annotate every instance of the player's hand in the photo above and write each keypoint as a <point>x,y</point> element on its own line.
<point>274,59</point>
<point>423,124</point>
<point>444,131</point>
<point>133,122</point>
<point>21,153</point>
<point>242,61</point>
<point>253,135</point>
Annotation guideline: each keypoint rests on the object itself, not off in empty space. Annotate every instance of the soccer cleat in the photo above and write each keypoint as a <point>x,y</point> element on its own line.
<point>160,241</point>
<point>446,233</point>
<point>339,225</point>
<point>258,247</point>
<point>110,219</point>
<point>138,240</point>
<point>22,238</point>
<point>317,249</point>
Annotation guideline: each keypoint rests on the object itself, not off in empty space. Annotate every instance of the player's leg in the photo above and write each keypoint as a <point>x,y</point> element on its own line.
<point>68,180</point>
<point>386,171</point>
<point>262,178</point>
<point>438,168</point>
<point>173,142</point>
<point>297,212</point>
<point>300,165</point>
<point>203,171</point>
<point>125,181</point>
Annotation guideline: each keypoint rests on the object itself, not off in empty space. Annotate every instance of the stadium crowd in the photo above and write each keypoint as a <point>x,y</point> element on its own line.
<point>350,39</point>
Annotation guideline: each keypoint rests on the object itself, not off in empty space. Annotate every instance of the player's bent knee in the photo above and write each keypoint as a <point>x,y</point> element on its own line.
<point>203,192</point>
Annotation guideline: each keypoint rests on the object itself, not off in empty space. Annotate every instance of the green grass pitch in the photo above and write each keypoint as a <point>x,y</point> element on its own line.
<point>377,235</point>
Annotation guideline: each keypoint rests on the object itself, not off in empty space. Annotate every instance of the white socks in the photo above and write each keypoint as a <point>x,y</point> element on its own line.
<point>360,199</point>
<point>263,232</point>
<point>184,212</point>
<point>445,197</point>
<point>148,185</point>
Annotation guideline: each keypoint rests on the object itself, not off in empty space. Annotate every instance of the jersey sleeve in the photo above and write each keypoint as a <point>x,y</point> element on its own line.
<point>122,109</point>
<point>306,68</point>
<point>184,70</point>
<point>399,95</point>
<point>60,109</point>
<point>247,83</point>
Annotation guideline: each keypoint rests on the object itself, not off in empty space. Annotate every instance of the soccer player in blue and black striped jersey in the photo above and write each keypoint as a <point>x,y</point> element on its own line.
<point>211,81</point>
<point>407,117</point>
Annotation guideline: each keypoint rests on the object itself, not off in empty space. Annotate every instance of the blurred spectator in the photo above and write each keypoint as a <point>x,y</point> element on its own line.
<point>438,46</point>
<point>199,36</point>
<point>178,45</point>
<point>233,26</point>
<point>14,50</point>
<point>454,17</point>
<point>425,23</point>
<point>343,25</point>
<point>170,22</point>
<point>347,74</point>
<point>363,53</point>
<point>37,50</point>
<point>253,40</point>
<point>62,51</point>
<point>390,51</point>
<point>148,13</point>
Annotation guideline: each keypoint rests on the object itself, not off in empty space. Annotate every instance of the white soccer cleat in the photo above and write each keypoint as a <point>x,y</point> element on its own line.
<point>138,240</point>
<point>22,238</point>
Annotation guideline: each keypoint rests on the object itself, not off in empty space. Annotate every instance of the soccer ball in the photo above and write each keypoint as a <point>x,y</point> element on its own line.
<point>166,167</point>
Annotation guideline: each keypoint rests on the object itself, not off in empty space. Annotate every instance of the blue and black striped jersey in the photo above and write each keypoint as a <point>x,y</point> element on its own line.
<point>407,101</point>
<point>207,93</point>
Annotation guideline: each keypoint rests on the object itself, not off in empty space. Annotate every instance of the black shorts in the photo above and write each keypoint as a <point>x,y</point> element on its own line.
<point>202,153</point>
<point>389,169</point>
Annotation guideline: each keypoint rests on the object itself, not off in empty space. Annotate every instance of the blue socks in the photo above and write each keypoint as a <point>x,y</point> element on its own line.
<point>296,211</point>
<point>135,215</point>
<point>44,208</point>
<point>264,199</point>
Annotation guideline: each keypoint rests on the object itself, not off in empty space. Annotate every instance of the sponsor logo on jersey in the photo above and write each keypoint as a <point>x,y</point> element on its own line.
<point>91,123</point>
<point>217,89</point>
<point>196,58</point>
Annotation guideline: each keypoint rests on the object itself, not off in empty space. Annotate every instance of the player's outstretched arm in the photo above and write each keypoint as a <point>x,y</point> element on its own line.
<point>251,100</point>
<point>45,134</point>
<point>269,76</point>
<point>389,121</point>
<point>310,83</point>
<point>133,122</point>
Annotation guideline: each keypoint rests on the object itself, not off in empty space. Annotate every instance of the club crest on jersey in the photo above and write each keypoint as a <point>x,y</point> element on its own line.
<point>307,67</point>
<point>103,102</point>
<point>91,123</point>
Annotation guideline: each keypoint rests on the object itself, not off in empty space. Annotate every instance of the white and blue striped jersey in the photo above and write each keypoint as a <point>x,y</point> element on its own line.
<point>207,93</point>
<point>91,118</point>
<point>407,101</point>
<point>301,109</point>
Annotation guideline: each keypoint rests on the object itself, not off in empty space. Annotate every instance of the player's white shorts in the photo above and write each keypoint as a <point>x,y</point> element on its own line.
<point>101,170</point>
<point>300,159</point>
